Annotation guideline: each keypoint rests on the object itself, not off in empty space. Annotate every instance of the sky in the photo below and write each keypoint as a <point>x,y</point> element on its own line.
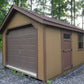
<point>79,19</point>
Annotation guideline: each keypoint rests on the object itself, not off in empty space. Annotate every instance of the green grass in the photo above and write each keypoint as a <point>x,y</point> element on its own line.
<point>21,74</point>
<point>13,71</point>
<point>0,49</point>
<point>2,67</point>
<point>6,74</point>
<point>0,44</point>
<point>48,82</point>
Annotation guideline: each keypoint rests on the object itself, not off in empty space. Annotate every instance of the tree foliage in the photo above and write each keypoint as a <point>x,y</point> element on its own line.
<point>42,7</point>
<point>3,11</point>
<point>58,9</point>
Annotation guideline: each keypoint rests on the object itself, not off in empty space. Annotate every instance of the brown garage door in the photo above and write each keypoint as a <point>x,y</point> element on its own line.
<point>66,50</point>
<point>21,49</point>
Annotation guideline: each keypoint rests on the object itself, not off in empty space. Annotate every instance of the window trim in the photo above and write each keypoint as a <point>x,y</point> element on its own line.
<point>82,42</point>
<point>65,37</point>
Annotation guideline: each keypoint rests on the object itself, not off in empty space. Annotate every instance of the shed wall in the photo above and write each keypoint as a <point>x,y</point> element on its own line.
<point>77,55</point>
<point>53,46</point>
<point>53,52</point>
<point>18,20</point>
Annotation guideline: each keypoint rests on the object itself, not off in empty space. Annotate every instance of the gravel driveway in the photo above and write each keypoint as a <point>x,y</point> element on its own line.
<point>75,76</point>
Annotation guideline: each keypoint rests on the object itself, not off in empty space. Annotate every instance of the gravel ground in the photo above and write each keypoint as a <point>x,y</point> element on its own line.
<point>75,76</point>
<point>0,58</point>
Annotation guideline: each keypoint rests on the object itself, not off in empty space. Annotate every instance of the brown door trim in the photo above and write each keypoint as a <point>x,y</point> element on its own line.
<point>18,27</point>
<point>68,32</point>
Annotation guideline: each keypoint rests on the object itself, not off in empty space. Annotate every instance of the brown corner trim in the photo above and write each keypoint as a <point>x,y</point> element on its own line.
<point>36,49</point>
<point>2,52</point>
<point>44,53</point>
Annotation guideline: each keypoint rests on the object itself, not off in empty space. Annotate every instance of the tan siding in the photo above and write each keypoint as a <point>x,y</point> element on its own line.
<point>77,55</point>
<point>18,20</point>
<point>53,52</point>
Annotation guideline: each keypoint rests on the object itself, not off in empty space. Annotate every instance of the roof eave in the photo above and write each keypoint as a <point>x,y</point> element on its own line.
<point>38,19</point>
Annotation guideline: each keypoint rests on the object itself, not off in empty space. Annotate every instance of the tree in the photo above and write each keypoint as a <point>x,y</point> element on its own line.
<point>3,12</point>
<point>42,7</point>
<point>3,9</point>
<point>31,4</point>
<point>74,12</point>
<point>59,8</point>
<point>52,7</point>
<point>75,6</point>
<point>82,2</point>
<point>83,19</point>
<point>76,9</point>
<point>71,12</point>
<point>21,3</point>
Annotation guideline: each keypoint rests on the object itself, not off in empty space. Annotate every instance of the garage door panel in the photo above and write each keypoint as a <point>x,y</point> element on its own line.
<point>21,42</point>
<point>16,54</point>
<point>21,34</point>
<point>21,48</point>
<point>17,41</point>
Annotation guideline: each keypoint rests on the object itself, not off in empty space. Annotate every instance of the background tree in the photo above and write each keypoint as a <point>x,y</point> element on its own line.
<point>41,6</point>
<point>52,7</point>
<point>74,12</point>
<point>71,12</point>
<point>82,2</point>
<point>21,3</point>
<point>3,10</point>
<point>59,8</point>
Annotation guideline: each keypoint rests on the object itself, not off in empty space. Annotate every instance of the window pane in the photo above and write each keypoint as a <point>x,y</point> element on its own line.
<point>80,41</point>
<point>80,37</point>
<point>80,45</point>
<point>66,36</point>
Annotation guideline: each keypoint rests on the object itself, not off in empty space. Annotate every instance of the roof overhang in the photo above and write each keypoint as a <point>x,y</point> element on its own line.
<point>39,18</point>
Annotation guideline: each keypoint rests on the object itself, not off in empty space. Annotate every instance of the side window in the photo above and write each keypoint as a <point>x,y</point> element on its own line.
<point>80,41</point>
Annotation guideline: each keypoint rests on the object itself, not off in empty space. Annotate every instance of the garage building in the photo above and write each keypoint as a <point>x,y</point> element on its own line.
<point>40,46</point>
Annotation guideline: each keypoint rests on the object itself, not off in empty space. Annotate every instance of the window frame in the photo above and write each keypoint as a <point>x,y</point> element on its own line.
<point>66,37</point>
<point>80,48</point>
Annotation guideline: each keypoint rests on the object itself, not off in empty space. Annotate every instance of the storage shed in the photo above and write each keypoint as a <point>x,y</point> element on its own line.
<point>40,46</point>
